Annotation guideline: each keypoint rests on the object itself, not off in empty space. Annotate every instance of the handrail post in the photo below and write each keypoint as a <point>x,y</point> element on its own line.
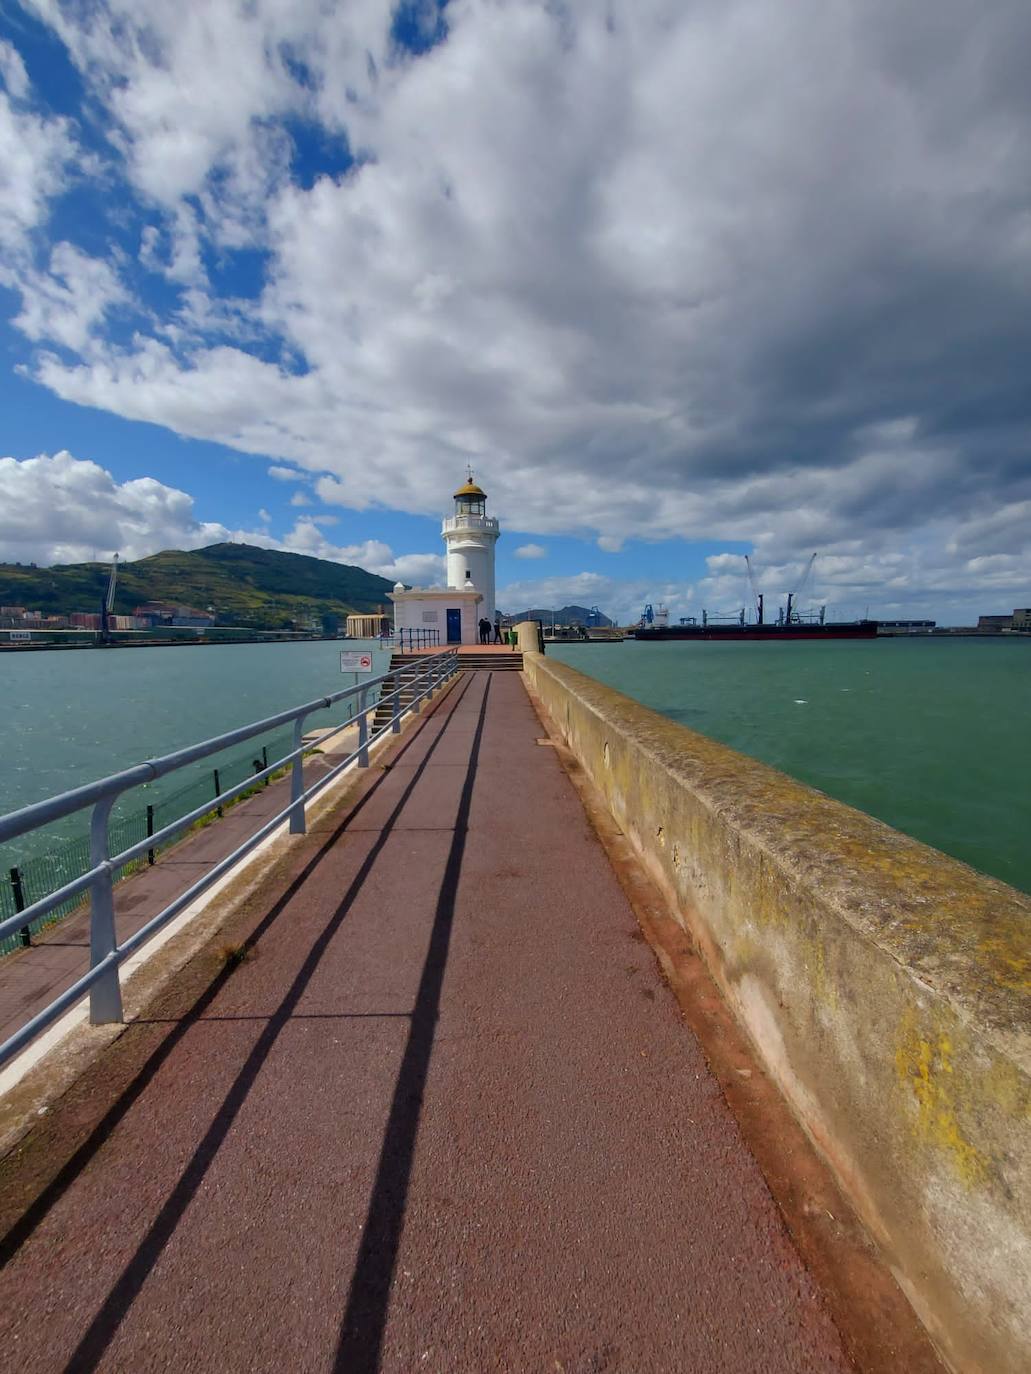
<point>19,903</point>
<point>150,831</point>
<point>105,998</point>
<point>363,729</point>
<point>297,822</point>
<point>395,705</point>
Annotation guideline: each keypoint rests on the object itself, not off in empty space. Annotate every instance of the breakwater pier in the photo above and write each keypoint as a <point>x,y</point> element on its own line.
<point>542,1046</point>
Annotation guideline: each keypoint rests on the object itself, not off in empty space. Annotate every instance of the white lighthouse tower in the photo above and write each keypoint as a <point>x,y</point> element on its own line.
<point>428,616</point>
<point>470,535</point>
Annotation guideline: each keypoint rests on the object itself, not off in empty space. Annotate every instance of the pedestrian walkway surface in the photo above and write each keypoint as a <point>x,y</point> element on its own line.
<point>446,1118</point>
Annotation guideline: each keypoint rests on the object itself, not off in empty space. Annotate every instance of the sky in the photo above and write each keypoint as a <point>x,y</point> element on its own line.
<point>680,279</point>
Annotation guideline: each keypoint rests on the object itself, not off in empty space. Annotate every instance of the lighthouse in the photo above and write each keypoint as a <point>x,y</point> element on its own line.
<point>470,535</point>
<point>430,616</point>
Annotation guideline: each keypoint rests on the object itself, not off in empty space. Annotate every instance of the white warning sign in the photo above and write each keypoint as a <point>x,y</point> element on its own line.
<point>355,661</point>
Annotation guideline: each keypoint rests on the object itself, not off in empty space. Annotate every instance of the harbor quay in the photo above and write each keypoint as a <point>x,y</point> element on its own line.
<point>557,1037</point>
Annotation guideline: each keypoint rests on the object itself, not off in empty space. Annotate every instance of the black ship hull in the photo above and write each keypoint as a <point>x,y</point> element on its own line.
<point>857,629</point>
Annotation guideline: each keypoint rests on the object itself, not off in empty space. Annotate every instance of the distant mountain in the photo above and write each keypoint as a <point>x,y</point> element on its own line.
<point>248,586</point>
<point>565,615</point>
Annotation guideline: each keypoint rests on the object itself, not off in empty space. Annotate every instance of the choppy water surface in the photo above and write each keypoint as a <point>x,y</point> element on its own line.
<point>932,736</point>
<point>73,716</point>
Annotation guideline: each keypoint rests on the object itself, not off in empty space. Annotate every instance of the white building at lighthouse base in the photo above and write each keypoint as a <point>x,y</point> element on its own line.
<point>455,615</point>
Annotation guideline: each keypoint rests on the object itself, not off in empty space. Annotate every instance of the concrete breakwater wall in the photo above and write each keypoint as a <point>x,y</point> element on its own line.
<point>886,987</point>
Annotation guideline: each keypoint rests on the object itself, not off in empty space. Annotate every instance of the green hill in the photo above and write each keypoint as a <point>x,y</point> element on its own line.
<point>565,615</point>
<point>247,586</point>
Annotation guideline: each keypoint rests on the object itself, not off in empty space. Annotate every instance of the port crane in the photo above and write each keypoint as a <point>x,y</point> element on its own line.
<point>789,615</point>
<point>804,581</point>
<point>756,593</point>
<point>792,616</point>
<point>108,602</point>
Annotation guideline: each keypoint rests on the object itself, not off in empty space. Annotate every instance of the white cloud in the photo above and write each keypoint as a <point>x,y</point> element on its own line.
<point>531,551</point>
<point>928,582</point>
<point>583,588</point>
<point>300,498</point>
<point>61,509</point>
<point>422,569</point>
<point>730,272</point>
<point>416,569</point>
<point>67,304</point>
<point>174,250</point>
<point>34,157</point>
<point>343,491</point>
<point>281,474</point>
<point>12,71</point>
<point>194,95</point>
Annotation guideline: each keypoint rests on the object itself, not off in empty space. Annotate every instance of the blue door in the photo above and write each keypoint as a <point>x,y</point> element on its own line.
<point>454,627</point>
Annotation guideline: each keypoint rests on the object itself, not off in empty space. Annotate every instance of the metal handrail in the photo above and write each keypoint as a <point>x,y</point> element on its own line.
<point>418,681</point>
<point>417,639</point>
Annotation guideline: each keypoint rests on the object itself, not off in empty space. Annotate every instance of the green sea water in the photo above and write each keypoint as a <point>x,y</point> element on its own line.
<point>72,716</point>
<point>931,735</point>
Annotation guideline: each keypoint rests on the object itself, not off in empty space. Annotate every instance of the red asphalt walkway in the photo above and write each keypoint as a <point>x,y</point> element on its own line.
<point>446,1118</point>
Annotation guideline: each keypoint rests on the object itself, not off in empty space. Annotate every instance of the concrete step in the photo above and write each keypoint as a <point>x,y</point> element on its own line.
<point>495,663</point>
<point>508,662</point>
<point>399,670</point>
<point>469,660</point>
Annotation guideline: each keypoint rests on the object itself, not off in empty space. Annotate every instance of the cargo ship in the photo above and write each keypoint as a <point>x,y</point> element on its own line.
<point>654,626</point>
<point>846,629</point>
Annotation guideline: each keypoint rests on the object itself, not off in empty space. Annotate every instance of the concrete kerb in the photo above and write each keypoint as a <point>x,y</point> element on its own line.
<point>46,1069</point>
<point>887,990</point>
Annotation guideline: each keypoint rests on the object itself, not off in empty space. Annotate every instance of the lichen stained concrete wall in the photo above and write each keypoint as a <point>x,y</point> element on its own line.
<point>886,987</point>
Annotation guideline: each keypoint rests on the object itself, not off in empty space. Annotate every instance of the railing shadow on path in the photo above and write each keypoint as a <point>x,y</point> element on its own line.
<point>365,1317</point>
<point>105,1324</point>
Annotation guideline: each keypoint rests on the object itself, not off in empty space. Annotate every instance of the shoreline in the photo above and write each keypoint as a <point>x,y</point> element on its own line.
<point>173,643</point>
